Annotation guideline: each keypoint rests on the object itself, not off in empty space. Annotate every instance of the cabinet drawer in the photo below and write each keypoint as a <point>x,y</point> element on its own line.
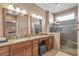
<point>4,50</point>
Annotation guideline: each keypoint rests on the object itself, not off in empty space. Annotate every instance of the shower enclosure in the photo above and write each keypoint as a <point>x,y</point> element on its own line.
<point>66,25</point>
<point>68,37</point>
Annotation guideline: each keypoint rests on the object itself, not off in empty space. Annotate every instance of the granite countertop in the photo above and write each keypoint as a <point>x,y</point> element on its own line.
<point>24,39</point>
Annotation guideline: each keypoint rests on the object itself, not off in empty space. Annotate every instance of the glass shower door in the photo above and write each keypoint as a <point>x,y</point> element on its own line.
<point>68,41</point>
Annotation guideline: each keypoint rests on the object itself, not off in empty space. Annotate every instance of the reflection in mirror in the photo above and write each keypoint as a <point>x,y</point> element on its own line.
<point>15,25</point>
<point>36,26</point>
<point>22,25</point>
<point>9,24</point>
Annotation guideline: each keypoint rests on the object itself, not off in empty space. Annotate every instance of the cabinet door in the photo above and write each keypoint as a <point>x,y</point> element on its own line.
<point>24,52</point>
<point>4,51</point>
<point>29,48</point>
<point>35,47</point>
<point>18,49</point>
<point>51,42</point>
<point>17,52</point>
<point>46,41</point>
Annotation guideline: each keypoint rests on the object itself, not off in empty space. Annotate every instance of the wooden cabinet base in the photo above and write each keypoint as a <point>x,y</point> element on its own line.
<point>4,51</point>
<point>51,42</point>
<point>35,47</point>
<point>28,48</point>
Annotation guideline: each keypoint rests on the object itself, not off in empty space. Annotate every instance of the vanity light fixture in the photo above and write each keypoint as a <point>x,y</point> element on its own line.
<point>14,21</point>
<point>34,15</point>
<point>23,12</point>
<point>17,10</point>
<point>11,7</point>
<point>10,12</point>
<point>40,17</point>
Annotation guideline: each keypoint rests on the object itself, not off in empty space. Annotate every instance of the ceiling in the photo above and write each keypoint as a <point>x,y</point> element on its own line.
<point>56,7</point>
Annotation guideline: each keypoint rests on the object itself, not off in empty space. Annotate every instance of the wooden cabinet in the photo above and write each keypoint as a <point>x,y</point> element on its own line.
<point>4,51</point>
<point>21,49</point>
<point>29,48</point>
<point>46,41</point>
<point>51,42</point>
<point>35,47</point>
<point>18,49</point>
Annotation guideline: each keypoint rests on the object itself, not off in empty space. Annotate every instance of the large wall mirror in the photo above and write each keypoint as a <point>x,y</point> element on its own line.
<point>36,26</point>
<point>10,21</point>
<point>15,25</point>
<point>22,25</point>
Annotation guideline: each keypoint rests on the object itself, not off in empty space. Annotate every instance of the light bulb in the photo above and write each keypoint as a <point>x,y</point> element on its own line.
<point>38,16</point>
<point>34,15</point>
<point>23,11</point>
<point>18,10</point>
<point>14,21</point>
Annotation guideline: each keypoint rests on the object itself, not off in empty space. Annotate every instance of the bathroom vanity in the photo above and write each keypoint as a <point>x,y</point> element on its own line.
<point>27,46</point>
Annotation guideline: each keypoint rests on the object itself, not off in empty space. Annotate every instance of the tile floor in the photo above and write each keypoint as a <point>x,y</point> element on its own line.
<point>62,54</point>
<point>54,52</point>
